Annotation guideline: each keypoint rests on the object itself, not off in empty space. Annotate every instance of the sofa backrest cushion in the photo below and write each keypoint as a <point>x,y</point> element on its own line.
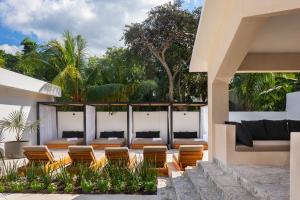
<point>294,125</point>
<point>147,134</point>
<point>277,129</point>
<point>256,129</point>
<point>107,134</point>
<point>185,134</point>
<point>72,134</point>
<point>243,136</point>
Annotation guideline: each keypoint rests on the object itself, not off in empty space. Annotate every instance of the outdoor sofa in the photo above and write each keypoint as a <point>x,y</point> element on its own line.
<point>68,138</point>
<point>147,138</point>
<point>188,138</point>
<point>109,139</point>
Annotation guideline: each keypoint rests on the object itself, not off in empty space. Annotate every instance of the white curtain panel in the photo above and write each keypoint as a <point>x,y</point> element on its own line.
<point>111,121</point>
<point>185,121</point>
<point>204,123</point>
<point>90,128</point>
<point>48,127</point>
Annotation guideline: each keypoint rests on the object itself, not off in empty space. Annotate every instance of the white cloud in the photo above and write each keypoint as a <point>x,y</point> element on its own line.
<point>12,49</point>
<point>101,22</point>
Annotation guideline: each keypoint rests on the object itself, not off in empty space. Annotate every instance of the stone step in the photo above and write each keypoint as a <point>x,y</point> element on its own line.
<point>226,185</point>
<point>165,190</point>
<point>206,190</point>
<point>184,189</point>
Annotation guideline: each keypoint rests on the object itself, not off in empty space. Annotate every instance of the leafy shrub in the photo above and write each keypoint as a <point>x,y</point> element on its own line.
<point>69,188</point>
<point>134,185</point>
<point>64,176</point>
<point>119,186</point>
<point>52,188</point>
<point>2,188</point>
<point>17,186</point>
<point>150,186</point>
<point>86,186</point>
<point>103,185</point>
<point>36,186</point>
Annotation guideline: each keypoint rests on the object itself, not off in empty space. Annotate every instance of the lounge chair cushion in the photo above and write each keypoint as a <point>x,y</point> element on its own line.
<point>119,141</point>
<point>190,141</point>
<point>190,148</point>
<point>107,134</point>
<point>277,129</point>
<point>294,126</point>
<point>72,134</point>
<point>147,134</point>
<point>148,141</point>
<point>256,129</point>
<point>185,134</point>
<point>154,149</point>
<point>79,141</point>
<point>266,145</point>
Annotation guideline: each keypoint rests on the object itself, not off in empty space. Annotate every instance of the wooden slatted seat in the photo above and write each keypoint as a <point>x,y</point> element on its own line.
<point>119,155</point>
<point>158,156</point>
<point>42,155</point>
<point>187,156</point>
<point>85,155</point>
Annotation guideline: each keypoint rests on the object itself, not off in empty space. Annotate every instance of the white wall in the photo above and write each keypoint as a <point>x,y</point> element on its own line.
<point>293,105</point>
<point>14,99</point>
<point>151,121</point>
<point>186,121</point>
<point>111,121</point>
<point>69,121</point>
<point>238,116</point>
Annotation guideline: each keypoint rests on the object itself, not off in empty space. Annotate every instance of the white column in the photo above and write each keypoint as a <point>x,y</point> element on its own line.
<point>295,167</point>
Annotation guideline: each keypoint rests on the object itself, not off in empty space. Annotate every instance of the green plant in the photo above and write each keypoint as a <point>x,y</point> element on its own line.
<point>45,174</point>
<point>134,184</point>
<point>69,188</point>
<point>119,186</point>
<point>10,170</point>
<point>150,186</point>
<point>31,172</point>
<point>86,186</point>
<point>16,122</point>
<point>52,188</point>
<point>36,186</point>
<point>2,188</point>
<point>17,186</point>
<point>103,185</point>
<point>64,176</point>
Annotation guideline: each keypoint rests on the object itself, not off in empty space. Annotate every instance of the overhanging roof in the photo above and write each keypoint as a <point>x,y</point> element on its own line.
<point>18,81</point>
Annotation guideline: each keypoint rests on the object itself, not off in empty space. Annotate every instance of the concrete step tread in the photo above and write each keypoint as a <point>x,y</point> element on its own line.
<point>205,189</point>
<point>184,188</point>
<point>165,190</point>
<point>225,183</point>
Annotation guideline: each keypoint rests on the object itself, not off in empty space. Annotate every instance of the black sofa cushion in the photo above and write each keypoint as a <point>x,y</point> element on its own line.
<point>147,134</point>
<point>294,126</point>
<point>185,134</point>
<point>243,136</point>
<point>277,129</point>
<point>72,134</point>
<point>107,134</point>
<point>256,129</point>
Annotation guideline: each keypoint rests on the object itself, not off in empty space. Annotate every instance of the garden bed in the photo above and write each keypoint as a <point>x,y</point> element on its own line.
<point>117,178</point>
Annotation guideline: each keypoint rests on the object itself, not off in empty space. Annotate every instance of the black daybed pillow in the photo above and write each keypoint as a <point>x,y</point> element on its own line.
<point>107,134</point>
<point>294,126</point>
<point>256,129</point>
<point>277,129</point>
<point>147,134</point>
<point>243,136</point>
<point>186,134</point>
<point>72,134</point>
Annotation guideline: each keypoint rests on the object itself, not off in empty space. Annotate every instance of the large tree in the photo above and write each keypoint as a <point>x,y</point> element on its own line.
<point>168,35</point>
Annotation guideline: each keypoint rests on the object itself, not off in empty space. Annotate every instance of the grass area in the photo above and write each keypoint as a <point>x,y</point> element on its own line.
<point>139,178</point>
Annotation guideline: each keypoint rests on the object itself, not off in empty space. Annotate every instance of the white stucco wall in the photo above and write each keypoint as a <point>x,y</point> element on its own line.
<point>111,121</point>
<point>293,105</point>
<point>238,116</point>
<point>14,99</point>
<point>151,121</point>
<point>69,121</point>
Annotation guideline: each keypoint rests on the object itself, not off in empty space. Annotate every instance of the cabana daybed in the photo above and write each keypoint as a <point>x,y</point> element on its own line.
<point>112,126</point>
<point>68,138</point>
<point>185,125</point>
<point>150,128</point>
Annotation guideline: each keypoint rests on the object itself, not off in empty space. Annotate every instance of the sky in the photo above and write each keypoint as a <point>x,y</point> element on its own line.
<point>100,22</point>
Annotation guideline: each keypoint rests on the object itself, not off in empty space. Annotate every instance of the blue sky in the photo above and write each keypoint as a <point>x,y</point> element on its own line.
<point>101,22</point>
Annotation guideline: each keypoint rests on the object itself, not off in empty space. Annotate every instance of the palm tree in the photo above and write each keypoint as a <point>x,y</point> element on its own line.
<point>68,59</point>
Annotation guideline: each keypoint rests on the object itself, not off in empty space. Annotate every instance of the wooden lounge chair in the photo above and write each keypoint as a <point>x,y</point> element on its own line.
<point>42,155</point>
<point>187,156</point>
<point>84,155</point>
<point>119,155</point>
<point>157,155</point>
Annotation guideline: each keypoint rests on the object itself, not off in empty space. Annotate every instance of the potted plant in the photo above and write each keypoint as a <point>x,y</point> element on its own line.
<point>16,122</point>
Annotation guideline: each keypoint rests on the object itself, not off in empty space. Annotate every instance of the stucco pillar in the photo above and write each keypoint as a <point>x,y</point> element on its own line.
<point>218,109</point>
<point>294,167</point>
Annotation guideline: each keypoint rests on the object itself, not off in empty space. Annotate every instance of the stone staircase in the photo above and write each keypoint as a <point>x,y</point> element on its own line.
<point>213,181</point>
